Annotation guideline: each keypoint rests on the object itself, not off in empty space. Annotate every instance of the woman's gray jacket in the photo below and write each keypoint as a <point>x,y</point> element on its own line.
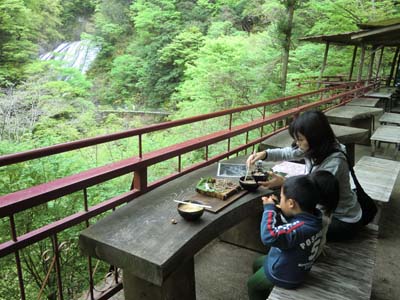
<point>348,209</point>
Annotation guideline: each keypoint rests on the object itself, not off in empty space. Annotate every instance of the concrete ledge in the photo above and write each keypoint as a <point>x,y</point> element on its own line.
<point>141,239</point>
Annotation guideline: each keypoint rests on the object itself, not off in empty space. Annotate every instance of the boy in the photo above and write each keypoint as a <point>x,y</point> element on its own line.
<point>295,244</point>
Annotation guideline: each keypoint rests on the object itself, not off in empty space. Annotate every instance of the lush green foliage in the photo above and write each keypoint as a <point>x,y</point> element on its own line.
<point>189,57</point>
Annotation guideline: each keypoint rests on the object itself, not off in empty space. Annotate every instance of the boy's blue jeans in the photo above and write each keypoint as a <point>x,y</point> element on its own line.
<point>258,285</point>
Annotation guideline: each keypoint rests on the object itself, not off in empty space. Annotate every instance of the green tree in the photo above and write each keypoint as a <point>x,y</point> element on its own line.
<point>16,40</point>
<point>74,17</point>
<point>227,74</point>
<point>46,20</point>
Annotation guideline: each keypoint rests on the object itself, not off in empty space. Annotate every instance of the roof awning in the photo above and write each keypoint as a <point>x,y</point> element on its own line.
<point>373,34</point>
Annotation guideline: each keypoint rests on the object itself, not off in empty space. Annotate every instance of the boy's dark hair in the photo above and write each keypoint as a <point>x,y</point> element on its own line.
<point>303,190</point>
<point>319,187</point>
<point>315,127</point>
<point>328,187</point>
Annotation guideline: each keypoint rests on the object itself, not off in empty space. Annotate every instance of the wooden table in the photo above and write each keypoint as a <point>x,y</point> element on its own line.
<point>355,116</point>
<point>387,134</point>
<point>157,256</point>
<point>391,118</point>
<point>385,94</point>
<point>346,115</point>
<point>345,134</point>
<point>377,176</point>
<point>369,102</point>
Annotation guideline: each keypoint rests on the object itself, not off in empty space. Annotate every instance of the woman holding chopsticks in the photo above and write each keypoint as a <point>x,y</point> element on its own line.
<point>317,144</point>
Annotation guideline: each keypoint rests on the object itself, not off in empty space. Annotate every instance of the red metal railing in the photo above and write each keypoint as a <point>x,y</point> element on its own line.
<point>19,201</point>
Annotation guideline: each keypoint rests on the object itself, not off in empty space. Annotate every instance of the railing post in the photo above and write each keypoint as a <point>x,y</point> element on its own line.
<point>56,250</point>
<point>17,259</point>
<point>140,180</point>
<point>140,145</point>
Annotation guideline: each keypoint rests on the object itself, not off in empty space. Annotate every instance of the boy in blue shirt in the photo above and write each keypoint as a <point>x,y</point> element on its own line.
<point>294,244</point>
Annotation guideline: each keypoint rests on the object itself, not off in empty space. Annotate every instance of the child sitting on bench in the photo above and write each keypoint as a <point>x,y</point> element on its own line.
<point>294,244</point>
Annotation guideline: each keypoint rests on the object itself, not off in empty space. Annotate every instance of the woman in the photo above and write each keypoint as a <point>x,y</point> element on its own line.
<point>317,144</point>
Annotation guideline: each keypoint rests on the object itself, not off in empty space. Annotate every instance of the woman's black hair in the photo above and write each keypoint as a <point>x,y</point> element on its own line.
<point>303,190</point>
<point>328,187</point>
<point>319,187</point>
<point>316,129</point>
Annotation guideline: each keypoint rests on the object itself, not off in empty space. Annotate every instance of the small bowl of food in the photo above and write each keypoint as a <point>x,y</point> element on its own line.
<point>260,176</point>
<point>248,183</point>
<point>191,210</point>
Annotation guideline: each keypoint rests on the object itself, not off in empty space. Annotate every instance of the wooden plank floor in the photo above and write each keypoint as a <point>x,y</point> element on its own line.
<point>341,274</point>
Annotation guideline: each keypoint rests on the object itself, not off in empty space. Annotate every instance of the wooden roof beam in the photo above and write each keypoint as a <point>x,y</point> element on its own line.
<point>375,32</point>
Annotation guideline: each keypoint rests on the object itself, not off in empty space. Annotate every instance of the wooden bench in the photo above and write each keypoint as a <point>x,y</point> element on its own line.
<point>155,253</point>
<point>344,273</point>
<point>386,134</point>
<point>391,118</point>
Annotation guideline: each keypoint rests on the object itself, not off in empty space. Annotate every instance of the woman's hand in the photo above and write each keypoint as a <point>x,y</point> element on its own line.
<point>251,160</point>
<point>275,181</point>
<point>271,199</point>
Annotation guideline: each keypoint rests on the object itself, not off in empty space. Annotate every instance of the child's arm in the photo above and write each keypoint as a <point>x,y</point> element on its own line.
<point>281,236</point>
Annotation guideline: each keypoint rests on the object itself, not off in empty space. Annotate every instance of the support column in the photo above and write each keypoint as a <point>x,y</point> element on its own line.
<point>379,64</point>
<point>395,56</point>
<point>371,64</point>
<point>352,62</point>
<point>360,67</point>
<point>397,69</point>
<point>177,286</point>
<point>323,63</point>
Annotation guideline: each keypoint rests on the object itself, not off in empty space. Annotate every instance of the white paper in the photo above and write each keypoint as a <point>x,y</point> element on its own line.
<point>290,168</point>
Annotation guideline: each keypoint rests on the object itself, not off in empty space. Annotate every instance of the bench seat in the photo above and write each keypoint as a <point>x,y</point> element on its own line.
<point>344,273</point>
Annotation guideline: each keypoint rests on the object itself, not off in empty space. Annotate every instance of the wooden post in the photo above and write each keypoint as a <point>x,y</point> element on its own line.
<point>395,56</point>
<point>379,63</point>
<point>397,70</point>
<point>360,67</point>
<point>371,63</point>
<point>323,63</point>
<point>352,62</point>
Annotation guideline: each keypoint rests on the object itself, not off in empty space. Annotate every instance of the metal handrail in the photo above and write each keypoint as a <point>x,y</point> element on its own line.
<point>64,147</point>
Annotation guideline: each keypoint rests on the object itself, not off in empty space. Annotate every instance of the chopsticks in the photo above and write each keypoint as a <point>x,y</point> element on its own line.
<point>191,203</point>
<point>247,166</point>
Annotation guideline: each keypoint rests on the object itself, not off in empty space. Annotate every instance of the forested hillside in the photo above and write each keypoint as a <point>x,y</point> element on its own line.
<point>182,57</point>
<point>187,57</point>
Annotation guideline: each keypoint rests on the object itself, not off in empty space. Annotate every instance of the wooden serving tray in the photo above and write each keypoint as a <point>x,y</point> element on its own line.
<point>215,203</point>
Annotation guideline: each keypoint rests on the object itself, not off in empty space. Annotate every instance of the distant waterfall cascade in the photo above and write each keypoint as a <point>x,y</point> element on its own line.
<point>79,54</point>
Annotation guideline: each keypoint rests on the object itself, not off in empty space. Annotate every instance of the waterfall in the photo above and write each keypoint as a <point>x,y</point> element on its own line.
<point>78,54</point>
